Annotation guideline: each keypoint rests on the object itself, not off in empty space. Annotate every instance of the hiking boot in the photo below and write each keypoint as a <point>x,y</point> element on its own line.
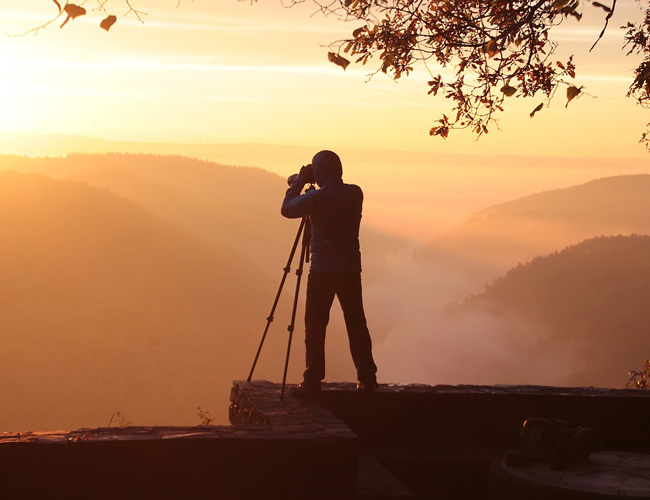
<point>304,391</point>
<point>370,387</point>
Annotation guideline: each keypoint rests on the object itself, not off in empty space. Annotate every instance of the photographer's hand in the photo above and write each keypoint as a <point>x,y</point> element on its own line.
<point>296,205</point>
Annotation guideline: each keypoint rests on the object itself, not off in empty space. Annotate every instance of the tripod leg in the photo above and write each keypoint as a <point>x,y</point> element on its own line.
<point>303,254</point>
<point>269,320</point>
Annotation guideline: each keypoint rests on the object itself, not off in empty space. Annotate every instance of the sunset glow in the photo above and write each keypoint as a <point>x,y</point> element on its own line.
<point>235,72</point>
<point>142,172</point>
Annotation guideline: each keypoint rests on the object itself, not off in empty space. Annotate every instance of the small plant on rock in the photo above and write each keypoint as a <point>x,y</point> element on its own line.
<point>640,380</point>
<point>205,417</point>
<point>120,421</point>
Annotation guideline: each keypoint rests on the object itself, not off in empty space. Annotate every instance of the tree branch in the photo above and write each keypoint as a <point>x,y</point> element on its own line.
<point>137,13</point>
<point>609,16</point>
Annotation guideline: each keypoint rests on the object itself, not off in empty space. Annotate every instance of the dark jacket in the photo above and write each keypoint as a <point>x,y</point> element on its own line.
<point>335,214</point>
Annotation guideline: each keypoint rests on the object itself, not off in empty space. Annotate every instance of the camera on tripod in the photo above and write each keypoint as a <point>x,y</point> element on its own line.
<point>307,172</point>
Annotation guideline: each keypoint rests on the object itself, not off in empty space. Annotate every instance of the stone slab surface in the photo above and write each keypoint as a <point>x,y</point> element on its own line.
<point>424,441</point>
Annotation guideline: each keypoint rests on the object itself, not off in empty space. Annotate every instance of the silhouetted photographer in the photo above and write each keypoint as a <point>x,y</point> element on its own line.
<point>334,211</point>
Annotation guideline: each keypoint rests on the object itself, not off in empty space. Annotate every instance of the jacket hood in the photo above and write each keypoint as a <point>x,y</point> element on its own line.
<point>327,168</point>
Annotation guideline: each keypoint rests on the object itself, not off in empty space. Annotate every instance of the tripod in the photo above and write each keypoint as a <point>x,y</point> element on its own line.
<point>305,230</point>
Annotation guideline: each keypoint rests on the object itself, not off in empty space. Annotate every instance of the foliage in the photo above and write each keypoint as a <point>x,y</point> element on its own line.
<point>205,417</point>
<point>605,269</point>
<point>70,11</point>
<point>120,420</point>
<point>496,49</point>
<point>637,40</point>
<point>640,380</point>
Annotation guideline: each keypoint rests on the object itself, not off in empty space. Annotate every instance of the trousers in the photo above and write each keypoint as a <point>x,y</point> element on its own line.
<point>322,287</point>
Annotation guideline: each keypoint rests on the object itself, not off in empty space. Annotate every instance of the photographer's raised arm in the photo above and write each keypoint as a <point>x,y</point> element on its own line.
<point>296,205</point>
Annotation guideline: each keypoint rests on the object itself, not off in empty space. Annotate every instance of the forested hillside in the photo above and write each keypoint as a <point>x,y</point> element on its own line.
<point>228,205</point>
<point>107,307</point>
<point>590,299</point>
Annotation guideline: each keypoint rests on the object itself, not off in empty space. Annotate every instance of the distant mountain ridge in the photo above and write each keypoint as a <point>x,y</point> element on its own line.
<point>238,207</point>
<point>220,203</point>
<point>615,200</point>
<point>503,235</point>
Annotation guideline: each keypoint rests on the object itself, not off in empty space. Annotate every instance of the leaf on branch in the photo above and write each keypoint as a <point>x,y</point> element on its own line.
<point>491,48</point>
<point>57,4</point>
<point>358,31</point>
<point>604,7</point>
<point>575,14</point>
<point>569,67</point>
<point>642,78</point>
<point>388,62</point>
<point>435,85</point>
<point>108,22</point>
<point>508,90</point>
<point>538,108</point>
<point>73,12</point>
<point>559,4</point>
<point>442,131</point>
<point>569,9</point>
<point>338,60</point>
<point>571,93</point>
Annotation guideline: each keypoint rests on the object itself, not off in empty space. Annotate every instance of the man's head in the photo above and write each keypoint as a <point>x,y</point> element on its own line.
<point>327,167</point>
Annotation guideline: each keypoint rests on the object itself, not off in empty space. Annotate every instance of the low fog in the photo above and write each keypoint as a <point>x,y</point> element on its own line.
<point>142,284</point>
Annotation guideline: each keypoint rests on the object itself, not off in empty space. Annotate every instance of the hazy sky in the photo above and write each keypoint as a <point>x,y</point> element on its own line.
<point>232,71</point>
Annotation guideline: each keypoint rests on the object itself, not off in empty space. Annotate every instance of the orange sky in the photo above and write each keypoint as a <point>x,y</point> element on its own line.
<point>229,71</point>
